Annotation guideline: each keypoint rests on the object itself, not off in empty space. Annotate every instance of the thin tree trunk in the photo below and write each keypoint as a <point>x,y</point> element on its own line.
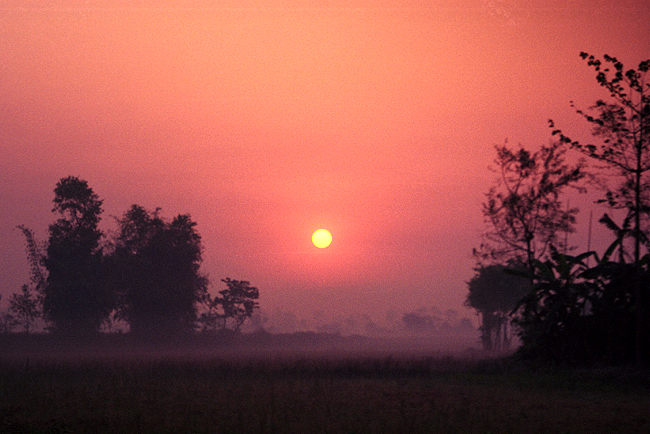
<point>640,329</point>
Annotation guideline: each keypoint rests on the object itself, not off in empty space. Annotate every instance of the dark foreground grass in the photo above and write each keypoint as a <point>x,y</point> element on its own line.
<point>361,394</point>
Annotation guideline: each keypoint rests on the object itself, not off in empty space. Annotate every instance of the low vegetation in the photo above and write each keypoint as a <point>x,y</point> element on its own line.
<point>303,393</point>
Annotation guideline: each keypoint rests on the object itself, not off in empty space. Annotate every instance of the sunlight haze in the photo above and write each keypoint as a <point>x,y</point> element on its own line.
<point>266,120</point>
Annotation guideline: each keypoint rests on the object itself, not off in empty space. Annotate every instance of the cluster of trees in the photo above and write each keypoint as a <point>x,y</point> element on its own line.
<point>572,308</point>
<point>147,274</point>
<point>433,320</point>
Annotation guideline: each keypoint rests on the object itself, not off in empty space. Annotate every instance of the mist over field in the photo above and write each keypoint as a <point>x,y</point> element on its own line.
<point>259,345</point>
<point>307,383</point>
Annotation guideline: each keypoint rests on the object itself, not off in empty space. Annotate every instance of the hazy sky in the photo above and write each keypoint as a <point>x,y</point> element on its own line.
<point>266,120</point>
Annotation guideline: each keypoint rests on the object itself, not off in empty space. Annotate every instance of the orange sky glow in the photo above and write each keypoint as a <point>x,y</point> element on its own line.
<point>266,120</point>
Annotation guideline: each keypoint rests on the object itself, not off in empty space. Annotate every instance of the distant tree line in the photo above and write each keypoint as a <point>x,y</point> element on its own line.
<point>434,321</point>
<point>147,274</point>
<point>572,308</point>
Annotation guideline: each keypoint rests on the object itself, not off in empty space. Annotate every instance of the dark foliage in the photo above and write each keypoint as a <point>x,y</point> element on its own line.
<point>76,299</point>
<point>525,216</point>
<point>494,291</point>
<point>523,210</point>
<point>148,274</point>
<point>35,258</point>
<point>622,123</point>
<point>578,314</point>
<point>158,272</point>
<point>25,306</point>
<point>235,305</point>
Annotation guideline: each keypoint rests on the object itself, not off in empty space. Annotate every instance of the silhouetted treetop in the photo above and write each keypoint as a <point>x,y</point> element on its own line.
<point>523,210</point>
<point>76,201</point>
<point>159,279</point>
<point>76,299</point>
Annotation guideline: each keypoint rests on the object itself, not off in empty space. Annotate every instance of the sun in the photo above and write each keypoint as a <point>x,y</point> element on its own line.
<point>321,238</point>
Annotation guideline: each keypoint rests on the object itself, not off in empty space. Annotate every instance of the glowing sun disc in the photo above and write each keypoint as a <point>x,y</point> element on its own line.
<point>321,238</point>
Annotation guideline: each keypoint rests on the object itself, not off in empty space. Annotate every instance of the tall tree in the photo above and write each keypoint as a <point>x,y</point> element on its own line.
<point>622,124</point>
<point>159,272</point>
<point>76,300</point>
<point>524,211</point>
<point>494,292</point>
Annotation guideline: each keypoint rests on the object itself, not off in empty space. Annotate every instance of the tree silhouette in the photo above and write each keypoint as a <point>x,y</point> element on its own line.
<point>75,300</point>
<point>6,321</point>
<point>420,321</point>
<point>622,123</point>
<point>25,306</point>
<point>495,292</point>
<point>235,305</point>
<point>523,210</point>
<point>158,277</point>
<point>551,317</point>
<point>35,257</point>
<point>622,233</point>
<point>577,314</point>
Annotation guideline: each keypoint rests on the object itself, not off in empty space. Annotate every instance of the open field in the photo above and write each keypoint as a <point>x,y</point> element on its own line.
<point>311,392</point>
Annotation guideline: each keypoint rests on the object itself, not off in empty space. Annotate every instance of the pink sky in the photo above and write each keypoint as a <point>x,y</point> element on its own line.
<point>266,120</point>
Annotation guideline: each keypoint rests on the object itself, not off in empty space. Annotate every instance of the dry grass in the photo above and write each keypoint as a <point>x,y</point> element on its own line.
<point>315,395</point>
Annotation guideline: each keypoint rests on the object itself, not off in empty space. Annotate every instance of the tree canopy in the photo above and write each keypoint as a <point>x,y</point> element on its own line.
<point>575,313</point>
<point>147,274</point>
<point>159,280</point>
<point>235,305</point>
<point>75,298</point>
<point>622,125</point>
<point>523,210</point>
<point>494,292</point>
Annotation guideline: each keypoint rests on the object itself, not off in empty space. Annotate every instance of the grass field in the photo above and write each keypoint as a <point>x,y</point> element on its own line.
<point>311,393</point>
